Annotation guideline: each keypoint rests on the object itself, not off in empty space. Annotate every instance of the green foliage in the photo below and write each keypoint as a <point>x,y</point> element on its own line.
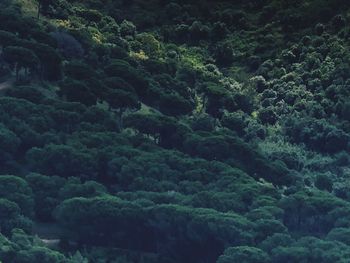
<point>7,38</point>
<point>122,69</point>
<point>9,141</point>
<point>243,254</point>
<point>77,91</point>
<point>11,217</point>
<point>307,211</point>
<point>155,131</point>
<point>149,44</point>
<point>120,99</point>
<point>19,57</point>
<point>339,234</point>
<point>30,93</point>
<point>75,188</point>
<point>135,223</point>
<point>17,190</point>
<point>61,160</point>
<point>317,134</point>
<point>46,194</point>
<point>50,60</point>
<point>79,71</point>
<point>21,247</point>
<point>323,182</point>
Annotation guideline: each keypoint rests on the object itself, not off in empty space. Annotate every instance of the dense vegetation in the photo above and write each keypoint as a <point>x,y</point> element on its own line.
<point>168,131</point>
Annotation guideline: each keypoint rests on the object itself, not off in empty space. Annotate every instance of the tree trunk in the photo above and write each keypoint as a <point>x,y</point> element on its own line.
<point>121,121</point>
<point>39,7</point>
<point>119,115</point>
<point>17,71</point>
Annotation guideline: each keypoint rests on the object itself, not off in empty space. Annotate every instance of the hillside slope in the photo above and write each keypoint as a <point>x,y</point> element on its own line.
<point>168,131</point>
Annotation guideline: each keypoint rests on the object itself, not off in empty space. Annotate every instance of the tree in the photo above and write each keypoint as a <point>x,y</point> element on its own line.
<point>92,220</point>
<point>224,54</point>
<point>235,121</point>
<point>336,140</point>
<point>91,16</point>
<point>324,182</point>
<point>318,134</point>
<point>204,230</point>
<point>173,104</point>
<point>244,254</point>
<point>79,70</point>
<point>340,234</point>
<point>290,254</point>
<point>216,95</point>
<point>30,93</point>
<point>160,127</point>
<point>19,58</point>
<point>39,255</point>
<point>310,249</point>
<point>10,145</point>
<point>203,122</point>
<point>120,100</point>
<point>208,147</point>
<point>46,194</point>
<point>62,160</point>
<point>308,211</point>
<point>268,115</point>
<point>7,39</point>
<point>9,140</point>
<point>77,91</point>
<point>17,190</point>
<point>69,46</point>
<point>344,110</point>
<point>118,83</point>
<point>43,6</point>
<point>127,28</point>
<point>75,188</point>
<point>133,76</point>
<point>150,45</point>
<point>50,67</point>
<point>219,31</point>
<point>20,247</point>
<point>11,217</point>
<point>275,240</point>
<point>198,31</point>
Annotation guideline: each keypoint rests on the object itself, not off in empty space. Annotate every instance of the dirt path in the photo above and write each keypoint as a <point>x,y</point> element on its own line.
<point>7,84</point>
<point>49,233</point>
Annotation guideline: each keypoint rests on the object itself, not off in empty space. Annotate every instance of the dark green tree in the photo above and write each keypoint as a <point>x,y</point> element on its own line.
<point>19,58</point>
<point>244,254</point>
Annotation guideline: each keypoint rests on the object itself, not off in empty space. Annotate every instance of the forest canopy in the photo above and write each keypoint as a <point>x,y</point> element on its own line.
<point>171,131</point>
